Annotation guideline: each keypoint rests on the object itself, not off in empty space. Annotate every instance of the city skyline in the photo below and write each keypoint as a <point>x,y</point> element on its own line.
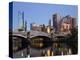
<point>40,13</point>
<point>39,29</point>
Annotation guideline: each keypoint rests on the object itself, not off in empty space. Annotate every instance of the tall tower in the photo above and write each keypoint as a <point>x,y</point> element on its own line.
<point>49,27</point>
<point>56,22</point>
<point>50,23</point>
<point>31,26</point>
<point>21,21</point>
<point>25,25</point>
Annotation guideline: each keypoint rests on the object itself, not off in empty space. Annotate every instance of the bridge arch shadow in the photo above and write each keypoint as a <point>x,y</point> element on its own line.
<point>40,42</point>
<point>19,43</point>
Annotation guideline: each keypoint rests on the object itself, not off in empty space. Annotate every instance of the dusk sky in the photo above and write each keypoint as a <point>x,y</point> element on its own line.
<point>40,13</point>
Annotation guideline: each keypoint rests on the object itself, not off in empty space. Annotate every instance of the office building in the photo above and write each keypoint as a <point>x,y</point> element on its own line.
<point>56,22</point>
<point>67,23</point>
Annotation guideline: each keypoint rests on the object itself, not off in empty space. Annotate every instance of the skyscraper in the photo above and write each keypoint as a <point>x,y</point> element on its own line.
<point>25,26</point>
<point>73,22</point>
<point>50,22</point>
<point>56,21</point>
<point>21,21</point>
<point>49,27</point>
<point>31,26</point>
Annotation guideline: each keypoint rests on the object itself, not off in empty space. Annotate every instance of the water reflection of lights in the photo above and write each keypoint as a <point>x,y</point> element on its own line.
<point>57,50</point>
<point>50,48</point>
